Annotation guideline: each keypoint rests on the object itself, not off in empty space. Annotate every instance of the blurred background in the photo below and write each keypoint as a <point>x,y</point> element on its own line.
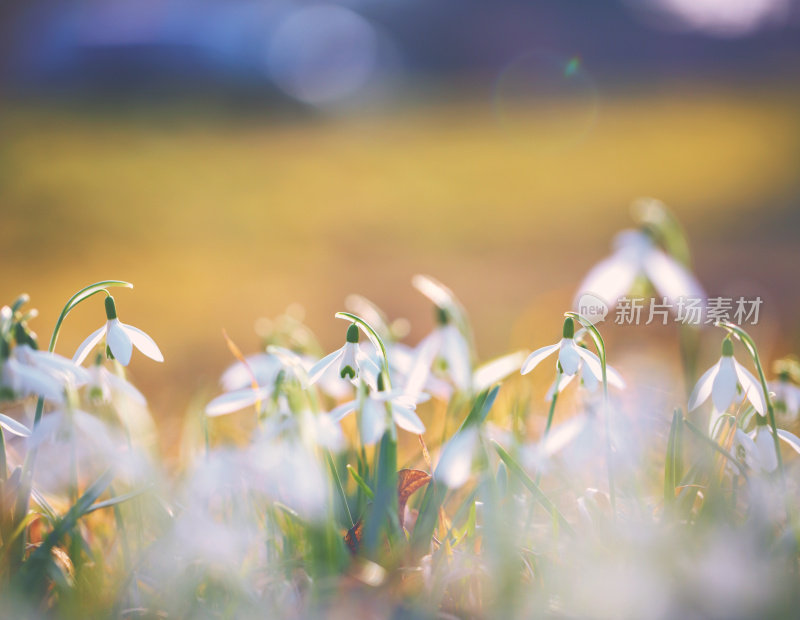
<point>232,158</point>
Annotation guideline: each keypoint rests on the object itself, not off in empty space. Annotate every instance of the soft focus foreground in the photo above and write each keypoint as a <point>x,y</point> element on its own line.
<point>376,478</point>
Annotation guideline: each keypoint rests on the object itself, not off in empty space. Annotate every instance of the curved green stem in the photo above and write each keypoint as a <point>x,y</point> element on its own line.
<point>81,295</point>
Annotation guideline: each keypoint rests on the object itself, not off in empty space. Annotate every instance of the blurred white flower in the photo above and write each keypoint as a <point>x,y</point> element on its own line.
<point>724,381</point>
<point>120,339</point>
<point>570,355</point>
<point>374,420</point>
<point>787,397</point>
<point>455,461</point>
<point>636,254</point>
<point>353,362</point>
<point>447,341</point>
<point>106,384</point>
<point>25,380</point>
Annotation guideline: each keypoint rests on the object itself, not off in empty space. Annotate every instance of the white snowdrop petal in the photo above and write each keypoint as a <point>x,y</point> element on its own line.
<point>419,364</point>
<point>373,421</point>
<point>751,387</point>
<point>614,378</point>
<point>437,292</point>
<point>236,400</point>
<point>766,449</point>
<point>143,342</point>
<point>53,362</point>
<point>368,369</point>
<point>723,391</point>
<point>119,342</point>
<point>455,351</point>
<point>87,345</point>
<point>30,380</point>
<point>455,463</point>
<point>563,381</point>
<point>497,370</point>
<point>592,362</point>
<point>610,279</point>
<point>14,427</point>
<point>790,439</point>
<point>568,356</point>
<point>671,279</point>
<point>703,387</point>
<point>407,419</point>
<point>537,356</point>
<point>317,370</point>
<point>123,387</point>
<point>328,433</point>
<point>340,412</point>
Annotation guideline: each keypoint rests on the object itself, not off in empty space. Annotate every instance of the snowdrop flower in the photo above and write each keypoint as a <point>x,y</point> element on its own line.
<point>446,342</point>
<point>120,339</point>
<point>570,355</point>
<point>635,255</point>
<point>353,361</point>
<point>787,396</point>
<point>725,381</point>
<point>374,420</point>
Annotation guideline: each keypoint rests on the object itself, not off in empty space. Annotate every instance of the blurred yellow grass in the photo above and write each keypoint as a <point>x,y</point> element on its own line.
<point>219,220</point>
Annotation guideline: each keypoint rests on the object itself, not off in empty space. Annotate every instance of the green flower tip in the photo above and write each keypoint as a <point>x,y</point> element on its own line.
<point>348,372</point>
<point>569,328</point>
<point>111,308</point>
<point>352,333</point>
<point>727,348</point>
<point>442,318</point>
<point>381,383</point>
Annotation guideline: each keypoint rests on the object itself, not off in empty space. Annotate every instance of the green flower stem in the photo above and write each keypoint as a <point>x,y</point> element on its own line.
<point>601,352</point>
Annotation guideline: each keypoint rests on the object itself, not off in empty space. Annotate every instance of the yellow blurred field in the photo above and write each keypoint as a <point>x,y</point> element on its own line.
<point>219,219</point>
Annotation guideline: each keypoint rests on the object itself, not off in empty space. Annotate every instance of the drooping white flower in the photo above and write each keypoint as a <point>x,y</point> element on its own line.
<point>120,339</point>
<point>447,341</point>
<point>570,355</point>
<point>725,381</point>
<point>787,397</point>
<point>636,254</point>
<point>374,419</point>
<point>353,362</point>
